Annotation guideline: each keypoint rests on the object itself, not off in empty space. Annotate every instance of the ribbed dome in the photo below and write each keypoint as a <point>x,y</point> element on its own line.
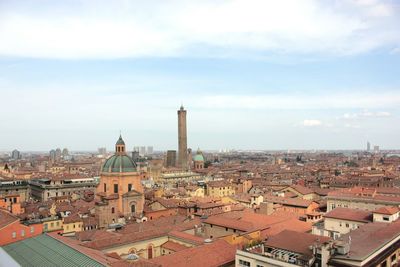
<point>119,163</point>
<point>198,157</point>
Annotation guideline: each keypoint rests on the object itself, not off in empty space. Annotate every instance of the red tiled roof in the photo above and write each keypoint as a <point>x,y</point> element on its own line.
<point>369,238</point>
<point>6,218</point>
<point>350,215</point>
<point>303,241</point>
<point>187,237</point>
<point>215,254</point>
<point>387,210</point>
<point>229,223</point>
<point>170,245</point>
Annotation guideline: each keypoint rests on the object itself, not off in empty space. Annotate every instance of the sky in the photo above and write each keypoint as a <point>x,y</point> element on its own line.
<point>256,74</point>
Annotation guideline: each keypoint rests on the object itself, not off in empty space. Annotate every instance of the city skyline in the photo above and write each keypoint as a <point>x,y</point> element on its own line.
<point>246,82</point>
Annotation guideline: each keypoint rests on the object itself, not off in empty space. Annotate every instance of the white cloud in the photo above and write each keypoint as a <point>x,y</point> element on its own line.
<point>173,28</point>
<point>306,101</point>
<point>366,114</point>
<point>312,123</point>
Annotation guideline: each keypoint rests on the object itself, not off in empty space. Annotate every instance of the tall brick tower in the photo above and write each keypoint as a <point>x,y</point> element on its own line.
<point>182,139</point>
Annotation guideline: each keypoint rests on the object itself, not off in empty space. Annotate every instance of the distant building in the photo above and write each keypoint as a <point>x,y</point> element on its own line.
<point>368,146</point>
<point>142,151</point>
<point>182,139</point>
<point>171,158</point>
<point>102,151</point>
<point>135,155</point>
<point>45,188</point>
<point>52,155</point>
<point>149,150</point>
<point>15,154</point>
<point>376,149</point>
<point>198,160</point>
<point>65,153</point>
<point>58,154</point>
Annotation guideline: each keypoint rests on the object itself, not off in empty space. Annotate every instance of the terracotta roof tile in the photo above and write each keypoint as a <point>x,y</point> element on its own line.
<point>350,215</point>
<point>215,254</point>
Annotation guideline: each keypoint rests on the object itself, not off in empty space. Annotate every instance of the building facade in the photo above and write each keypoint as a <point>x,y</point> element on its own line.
<point>120,192</point>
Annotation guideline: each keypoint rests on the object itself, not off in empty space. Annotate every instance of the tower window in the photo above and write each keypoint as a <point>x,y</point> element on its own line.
<point>112,210</point>
<point>115,188</point>
<point>129,187</point>
<point>105,187</point>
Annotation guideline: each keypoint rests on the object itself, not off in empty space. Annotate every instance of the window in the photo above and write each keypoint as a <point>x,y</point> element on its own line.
<point>14,234</point>
<point>22,232</point>
<point>347,225</point>
<point>129,187</point>
<point>385,218</point>
<point>133,208</point>
<point>15,200</point>
<point>244,263</point>
<point>105,187</point>
<point>112,210</point>
<point>115,188</point>
<point>32,229</point>
<point>226,229</point>
<point>393,258</point>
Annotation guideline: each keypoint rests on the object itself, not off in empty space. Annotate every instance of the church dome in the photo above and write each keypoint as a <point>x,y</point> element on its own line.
<point>198,156</point>
<point>119,163</point>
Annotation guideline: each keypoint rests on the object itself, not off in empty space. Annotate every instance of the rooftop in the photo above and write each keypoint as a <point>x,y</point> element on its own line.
<point>217,253</point>
<point>350,215</point>
<point>44,250</point>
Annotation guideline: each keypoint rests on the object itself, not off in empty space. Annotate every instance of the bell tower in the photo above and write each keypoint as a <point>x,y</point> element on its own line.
<point>120,146</point>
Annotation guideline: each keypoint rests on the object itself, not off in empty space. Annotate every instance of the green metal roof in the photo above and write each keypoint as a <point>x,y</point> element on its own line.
<point>119,163</point>
<point>198,157</point>
<point>43,251</point>
<point>120,141</point>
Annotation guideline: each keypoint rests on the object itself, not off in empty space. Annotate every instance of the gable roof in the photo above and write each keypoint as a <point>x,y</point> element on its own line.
<point>387,210</point>
<point>6,218</point>
<point>350,215</point>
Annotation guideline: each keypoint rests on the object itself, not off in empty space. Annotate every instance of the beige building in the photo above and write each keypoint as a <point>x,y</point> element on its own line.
<point>120,192</point>
<point>220,189</point>
<point>341,221</point>
<point>360,198</point>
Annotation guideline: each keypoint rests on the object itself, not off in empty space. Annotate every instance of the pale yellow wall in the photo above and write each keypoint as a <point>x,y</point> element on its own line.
<point>140,247</point>
<point>72,227</point>
<point>221,191</point>
<point>217,231</point>
<point>53,225</point>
